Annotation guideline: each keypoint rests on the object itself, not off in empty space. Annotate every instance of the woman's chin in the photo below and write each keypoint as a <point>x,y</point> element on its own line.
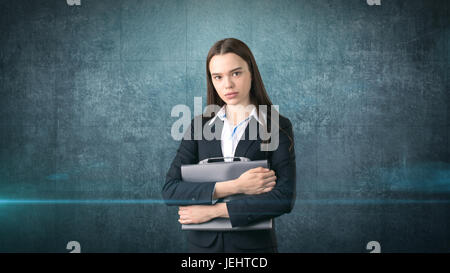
<point>233,101</point>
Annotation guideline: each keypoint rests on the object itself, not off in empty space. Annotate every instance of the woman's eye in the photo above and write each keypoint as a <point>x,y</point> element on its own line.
<point>237,73</point>
<point>217,77</point>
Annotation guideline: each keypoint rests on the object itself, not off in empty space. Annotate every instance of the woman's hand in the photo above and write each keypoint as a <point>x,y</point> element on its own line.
<point>256,181</point>
<point>196,214</point>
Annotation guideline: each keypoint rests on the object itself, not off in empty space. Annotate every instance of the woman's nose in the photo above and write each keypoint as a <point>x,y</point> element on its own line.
<point>228,82</point>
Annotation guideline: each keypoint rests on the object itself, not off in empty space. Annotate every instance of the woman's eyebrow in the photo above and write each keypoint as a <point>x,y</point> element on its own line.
<point>237,68</point>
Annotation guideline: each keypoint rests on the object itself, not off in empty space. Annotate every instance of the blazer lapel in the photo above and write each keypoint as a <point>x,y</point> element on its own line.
<point>215,146</point>
<point>245,142</point>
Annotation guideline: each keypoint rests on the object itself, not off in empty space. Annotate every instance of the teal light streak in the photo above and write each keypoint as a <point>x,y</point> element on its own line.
<point>159,201</point>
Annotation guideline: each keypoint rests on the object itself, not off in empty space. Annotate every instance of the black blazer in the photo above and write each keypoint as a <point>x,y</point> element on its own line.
<point>243,211</point>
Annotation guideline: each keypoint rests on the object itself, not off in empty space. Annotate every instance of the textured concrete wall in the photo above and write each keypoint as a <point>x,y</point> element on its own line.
<point>86,95</point>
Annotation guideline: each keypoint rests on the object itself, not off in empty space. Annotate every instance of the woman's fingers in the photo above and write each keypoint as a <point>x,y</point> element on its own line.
<point>269,180</point>
<point>183,211</point>
<point>269,174</point>
<point>269,186</point>
<point>186,221</point>
<point>254,170</point>
<point>183,217</point>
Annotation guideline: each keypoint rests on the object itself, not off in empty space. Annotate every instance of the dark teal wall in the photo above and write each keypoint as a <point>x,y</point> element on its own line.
<point>87,91</point>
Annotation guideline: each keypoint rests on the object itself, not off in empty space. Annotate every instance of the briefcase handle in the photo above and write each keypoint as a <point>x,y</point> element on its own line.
<point>241,158</point>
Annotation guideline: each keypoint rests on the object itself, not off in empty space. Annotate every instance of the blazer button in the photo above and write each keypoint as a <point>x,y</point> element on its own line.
<point>193,198</point>
<point>250,218</point>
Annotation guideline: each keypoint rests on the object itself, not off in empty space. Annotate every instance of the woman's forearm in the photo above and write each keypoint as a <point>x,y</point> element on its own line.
<point>225,188</point>
<point>221,210</point>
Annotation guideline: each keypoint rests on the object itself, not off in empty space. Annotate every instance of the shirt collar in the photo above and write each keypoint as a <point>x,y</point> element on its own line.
<point>222,115</point>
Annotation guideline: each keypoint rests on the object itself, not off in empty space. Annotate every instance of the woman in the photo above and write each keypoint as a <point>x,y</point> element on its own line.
<point>234,84</point>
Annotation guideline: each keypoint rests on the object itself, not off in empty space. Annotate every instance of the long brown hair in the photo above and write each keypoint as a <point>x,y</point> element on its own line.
<point>258,94</point>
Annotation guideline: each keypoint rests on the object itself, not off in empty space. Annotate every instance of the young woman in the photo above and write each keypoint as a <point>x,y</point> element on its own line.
<point>234,84</point>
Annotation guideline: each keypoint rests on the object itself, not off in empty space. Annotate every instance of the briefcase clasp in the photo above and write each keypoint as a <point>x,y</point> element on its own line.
<point>241,158</point>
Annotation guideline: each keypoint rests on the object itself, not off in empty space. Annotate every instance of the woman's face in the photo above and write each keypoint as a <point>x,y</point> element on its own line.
<point>231,78</point>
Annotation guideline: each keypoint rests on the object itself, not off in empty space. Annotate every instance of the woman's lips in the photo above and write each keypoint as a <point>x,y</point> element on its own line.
<point>231,95</point>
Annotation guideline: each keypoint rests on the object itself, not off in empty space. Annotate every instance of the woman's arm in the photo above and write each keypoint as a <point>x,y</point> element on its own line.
<point>281,199</point>
<point>200,213</point>
<point>176,192</point>
<point>254,181</point>
<point>221,210</point>
<point>225,188</point>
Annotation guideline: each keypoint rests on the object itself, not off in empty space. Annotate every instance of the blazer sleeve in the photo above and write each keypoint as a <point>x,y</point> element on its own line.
<point>176,192</point>
<point>280,199</point>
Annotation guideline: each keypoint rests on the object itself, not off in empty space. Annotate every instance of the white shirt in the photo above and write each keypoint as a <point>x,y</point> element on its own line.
<point>232,134</point>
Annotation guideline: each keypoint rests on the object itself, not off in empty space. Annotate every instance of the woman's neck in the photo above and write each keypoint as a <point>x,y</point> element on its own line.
<point>237,113</point>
